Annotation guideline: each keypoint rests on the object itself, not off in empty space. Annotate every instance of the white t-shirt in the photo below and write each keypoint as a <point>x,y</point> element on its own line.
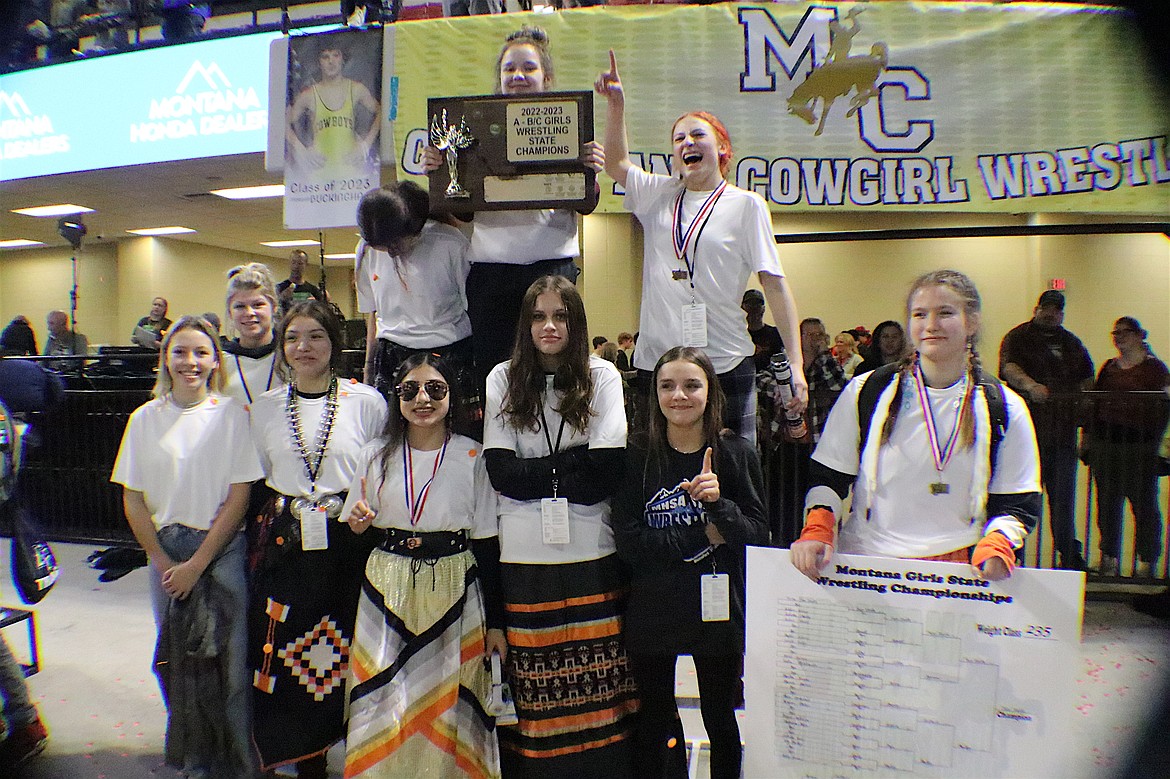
<point>425,307</point>
<point>459,498</point>
<point>735,242</point>
<point>247,378</point>
<point>590,535</point>
<point>906,519</point>
<point>524,237</point>
<point>184,460</point>
<point>361,415</point>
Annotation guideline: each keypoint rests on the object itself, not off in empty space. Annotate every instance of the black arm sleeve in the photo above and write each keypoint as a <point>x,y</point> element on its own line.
<point>1024,506</point>
<point>589,476</point>
<point>487,561</point>
<point>823,476</point>
<point>519,478</point>
<point>584,476</point>
<point>739,512</point>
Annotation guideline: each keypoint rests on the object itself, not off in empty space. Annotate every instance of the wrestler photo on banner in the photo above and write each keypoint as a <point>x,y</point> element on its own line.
<point>333,116</point>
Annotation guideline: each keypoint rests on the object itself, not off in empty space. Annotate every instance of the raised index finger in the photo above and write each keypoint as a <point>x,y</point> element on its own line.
<point>707,461</point>
<point>613,63</point>
<point>364,491</point>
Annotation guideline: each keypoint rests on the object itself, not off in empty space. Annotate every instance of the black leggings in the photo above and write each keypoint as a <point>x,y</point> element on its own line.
<point>720,691</point>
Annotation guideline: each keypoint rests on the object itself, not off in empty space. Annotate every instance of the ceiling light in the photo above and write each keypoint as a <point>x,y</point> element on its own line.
<point>161,230</point>
<point>289,244</point>
<point>349,256</point>
<point>64,209</point>
<point>248,193</point>
<point>19,243</point>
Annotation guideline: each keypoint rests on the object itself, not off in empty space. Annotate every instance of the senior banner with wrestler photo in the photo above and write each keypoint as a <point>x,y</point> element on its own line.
<point>928,106</point>
<point>331,138</point>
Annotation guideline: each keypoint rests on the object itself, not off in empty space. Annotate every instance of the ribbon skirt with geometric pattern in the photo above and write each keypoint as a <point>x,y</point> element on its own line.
<point>575,694</point>
<point>300,625</point>
<point>419,685</point>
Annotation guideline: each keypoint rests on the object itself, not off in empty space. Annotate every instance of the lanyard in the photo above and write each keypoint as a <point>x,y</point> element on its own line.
<point>415,503</point>
<point>244,379</point>
<point>552,450</point>
<point>682,240</point>
<point>942,454</point>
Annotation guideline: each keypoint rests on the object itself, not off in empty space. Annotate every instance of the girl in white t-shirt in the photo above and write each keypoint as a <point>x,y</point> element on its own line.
<point>704,238</point>
<point>512,249</point>
<point>430,612</point>
<point>924,485</point>
<point>250,359</point>
<point>187,463</point>
<point>554,441</point>
<point>410,277</point>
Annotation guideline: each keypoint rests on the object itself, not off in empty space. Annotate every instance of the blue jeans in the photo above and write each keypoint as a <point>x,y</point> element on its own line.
<point>228,570</point>
<point>18,708</point>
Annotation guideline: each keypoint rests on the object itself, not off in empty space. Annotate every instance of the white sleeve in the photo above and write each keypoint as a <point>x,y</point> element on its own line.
<point>839,447</point>
<point>362,471</point>
<point>1017,466</point>
<point>485,522</point>
<point>763,255</point>
<point>127,471</point>
<point>497,433</point>
<point>245,461</point>
<point>257,422</point>
<point>607,430</point>
<point>363,278</point>
<point>643,190</point>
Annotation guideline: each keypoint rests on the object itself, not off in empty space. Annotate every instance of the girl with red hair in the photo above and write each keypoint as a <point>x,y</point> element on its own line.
<point>703,240</point>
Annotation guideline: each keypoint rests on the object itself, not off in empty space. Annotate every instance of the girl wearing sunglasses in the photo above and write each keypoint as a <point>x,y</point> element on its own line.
<point>306,565</point>
<point>554,441</point>
<point>430,612</point>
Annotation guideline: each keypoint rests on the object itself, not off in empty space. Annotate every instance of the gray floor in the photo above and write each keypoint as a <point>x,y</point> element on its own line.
<point>101,703</point>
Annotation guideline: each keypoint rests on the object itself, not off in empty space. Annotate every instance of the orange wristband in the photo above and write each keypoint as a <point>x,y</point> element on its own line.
<point>819,525</point>
<point>994,544</point>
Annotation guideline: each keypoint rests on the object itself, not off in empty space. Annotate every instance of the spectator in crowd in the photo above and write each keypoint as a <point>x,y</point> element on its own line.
<point>149,331</point>
<point>63,340</point>
<point>887,345</point>
<point>625,359</point>
<point>598,342</point>
<point>294,289</point>
<point>789,477</point>
<point>1122,448</point>
<point>765,338</point>
<point>18,337</point>
<point>845,350</point>
<point>1050,367</point>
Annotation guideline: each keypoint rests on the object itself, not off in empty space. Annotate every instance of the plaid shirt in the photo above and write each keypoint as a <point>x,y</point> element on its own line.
<point>825,380</point>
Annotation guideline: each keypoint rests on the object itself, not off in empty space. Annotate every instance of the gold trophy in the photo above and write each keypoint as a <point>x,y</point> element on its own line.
<point>449,139</point>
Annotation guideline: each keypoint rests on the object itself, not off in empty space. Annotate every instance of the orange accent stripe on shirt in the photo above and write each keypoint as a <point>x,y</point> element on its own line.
<point>560,635</point>
<point>553,605</point>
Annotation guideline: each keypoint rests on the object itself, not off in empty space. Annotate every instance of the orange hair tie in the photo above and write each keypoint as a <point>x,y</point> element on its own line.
<point>994,544</point>
<point>819,525</point>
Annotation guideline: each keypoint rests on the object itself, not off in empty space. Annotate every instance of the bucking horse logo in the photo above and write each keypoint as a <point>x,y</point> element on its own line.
<point>840,74</point>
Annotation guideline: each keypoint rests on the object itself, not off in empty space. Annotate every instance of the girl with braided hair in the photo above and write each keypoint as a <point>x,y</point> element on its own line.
<point>964,501</point>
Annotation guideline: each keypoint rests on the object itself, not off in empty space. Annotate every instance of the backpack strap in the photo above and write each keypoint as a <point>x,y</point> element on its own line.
<point>997,414</point>
<point>877,382</point>
<point>867,399</point>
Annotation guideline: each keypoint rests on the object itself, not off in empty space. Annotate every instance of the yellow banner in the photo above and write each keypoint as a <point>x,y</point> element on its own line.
<point>890,106</point>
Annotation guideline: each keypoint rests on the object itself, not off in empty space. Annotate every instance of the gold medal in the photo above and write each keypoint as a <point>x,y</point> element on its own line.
<point>680,274</point>
<point>940,488</point>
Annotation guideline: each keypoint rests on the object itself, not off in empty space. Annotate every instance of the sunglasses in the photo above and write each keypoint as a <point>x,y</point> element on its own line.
<point>408,390</point>
<point>1121,332</point>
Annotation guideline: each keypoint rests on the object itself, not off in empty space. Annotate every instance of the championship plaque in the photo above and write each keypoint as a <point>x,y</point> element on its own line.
<point>505,153</point>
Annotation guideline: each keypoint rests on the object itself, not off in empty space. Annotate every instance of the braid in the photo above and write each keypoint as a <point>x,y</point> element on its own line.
<point>974,375</point>
<point>904,369</point>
